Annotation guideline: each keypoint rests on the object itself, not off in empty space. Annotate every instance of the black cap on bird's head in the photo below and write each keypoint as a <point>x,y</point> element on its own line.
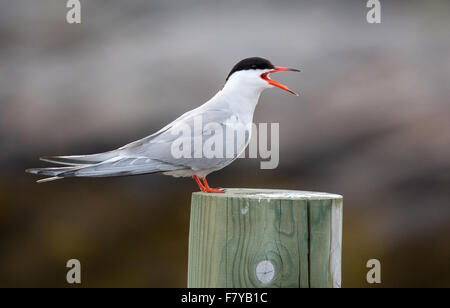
<point>257,63</point>
<point>251,63</point>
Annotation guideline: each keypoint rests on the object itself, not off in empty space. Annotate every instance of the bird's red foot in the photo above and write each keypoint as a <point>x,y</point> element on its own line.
<point>205,187</point>
<point>214,191</point>
<point>211,190</point>
<point>200,185</point>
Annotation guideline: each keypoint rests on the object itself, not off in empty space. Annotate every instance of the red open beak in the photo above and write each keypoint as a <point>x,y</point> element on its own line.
<point>266,77</point>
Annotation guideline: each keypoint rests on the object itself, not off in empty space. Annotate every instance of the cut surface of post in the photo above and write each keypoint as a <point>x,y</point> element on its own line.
<point>265,238</point>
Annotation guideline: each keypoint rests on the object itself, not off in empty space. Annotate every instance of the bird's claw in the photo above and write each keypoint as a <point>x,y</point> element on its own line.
<point>214,191</point>
<point>205,187</point>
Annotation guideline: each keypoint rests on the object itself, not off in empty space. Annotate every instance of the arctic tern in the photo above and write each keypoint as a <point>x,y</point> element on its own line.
<point>231,109</point>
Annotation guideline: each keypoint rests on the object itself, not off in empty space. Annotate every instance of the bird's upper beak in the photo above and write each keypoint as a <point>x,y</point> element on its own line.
<point>266,77</point>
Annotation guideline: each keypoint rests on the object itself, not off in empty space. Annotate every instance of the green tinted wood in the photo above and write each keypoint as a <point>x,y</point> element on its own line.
<point>265,238</point>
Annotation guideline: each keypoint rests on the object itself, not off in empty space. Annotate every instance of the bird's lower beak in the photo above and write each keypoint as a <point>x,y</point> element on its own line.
<point>266,77</point>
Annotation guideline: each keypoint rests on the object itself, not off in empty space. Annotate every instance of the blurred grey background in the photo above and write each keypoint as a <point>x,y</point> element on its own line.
<point>372,123</point>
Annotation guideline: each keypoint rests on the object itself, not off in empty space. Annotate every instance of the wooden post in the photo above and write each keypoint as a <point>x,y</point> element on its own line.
<point>265,238</point>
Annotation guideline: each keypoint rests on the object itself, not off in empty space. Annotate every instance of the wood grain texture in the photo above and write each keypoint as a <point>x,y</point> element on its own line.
<point>265,238</point>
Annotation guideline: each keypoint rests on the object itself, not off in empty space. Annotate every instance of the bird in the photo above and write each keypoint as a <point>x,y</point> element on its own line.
<point>177,148</point>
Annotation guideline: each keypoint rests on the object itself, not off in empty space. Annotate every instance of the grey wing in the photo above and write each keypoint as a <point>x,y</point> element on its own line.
<point>91,159</point>
<point>120,166</point>
<point>163,130</point>
<point>117,166</point>
<point>155,153</point>
<point>195,132</point>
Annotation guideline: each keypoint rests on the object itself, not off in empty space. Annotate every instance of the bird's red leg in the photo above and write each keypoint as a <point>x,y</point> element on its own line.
<point>211,190</point>
<point>200,185</point>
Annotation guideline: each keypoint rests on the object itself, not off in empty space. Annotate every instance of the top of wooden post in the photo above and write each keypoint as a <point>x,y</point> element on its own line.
<point>270,194</point>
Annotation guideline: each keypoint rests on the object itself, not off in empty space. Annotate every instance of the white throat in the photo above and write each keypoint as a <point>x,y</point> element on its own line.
<point>242,91</point>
